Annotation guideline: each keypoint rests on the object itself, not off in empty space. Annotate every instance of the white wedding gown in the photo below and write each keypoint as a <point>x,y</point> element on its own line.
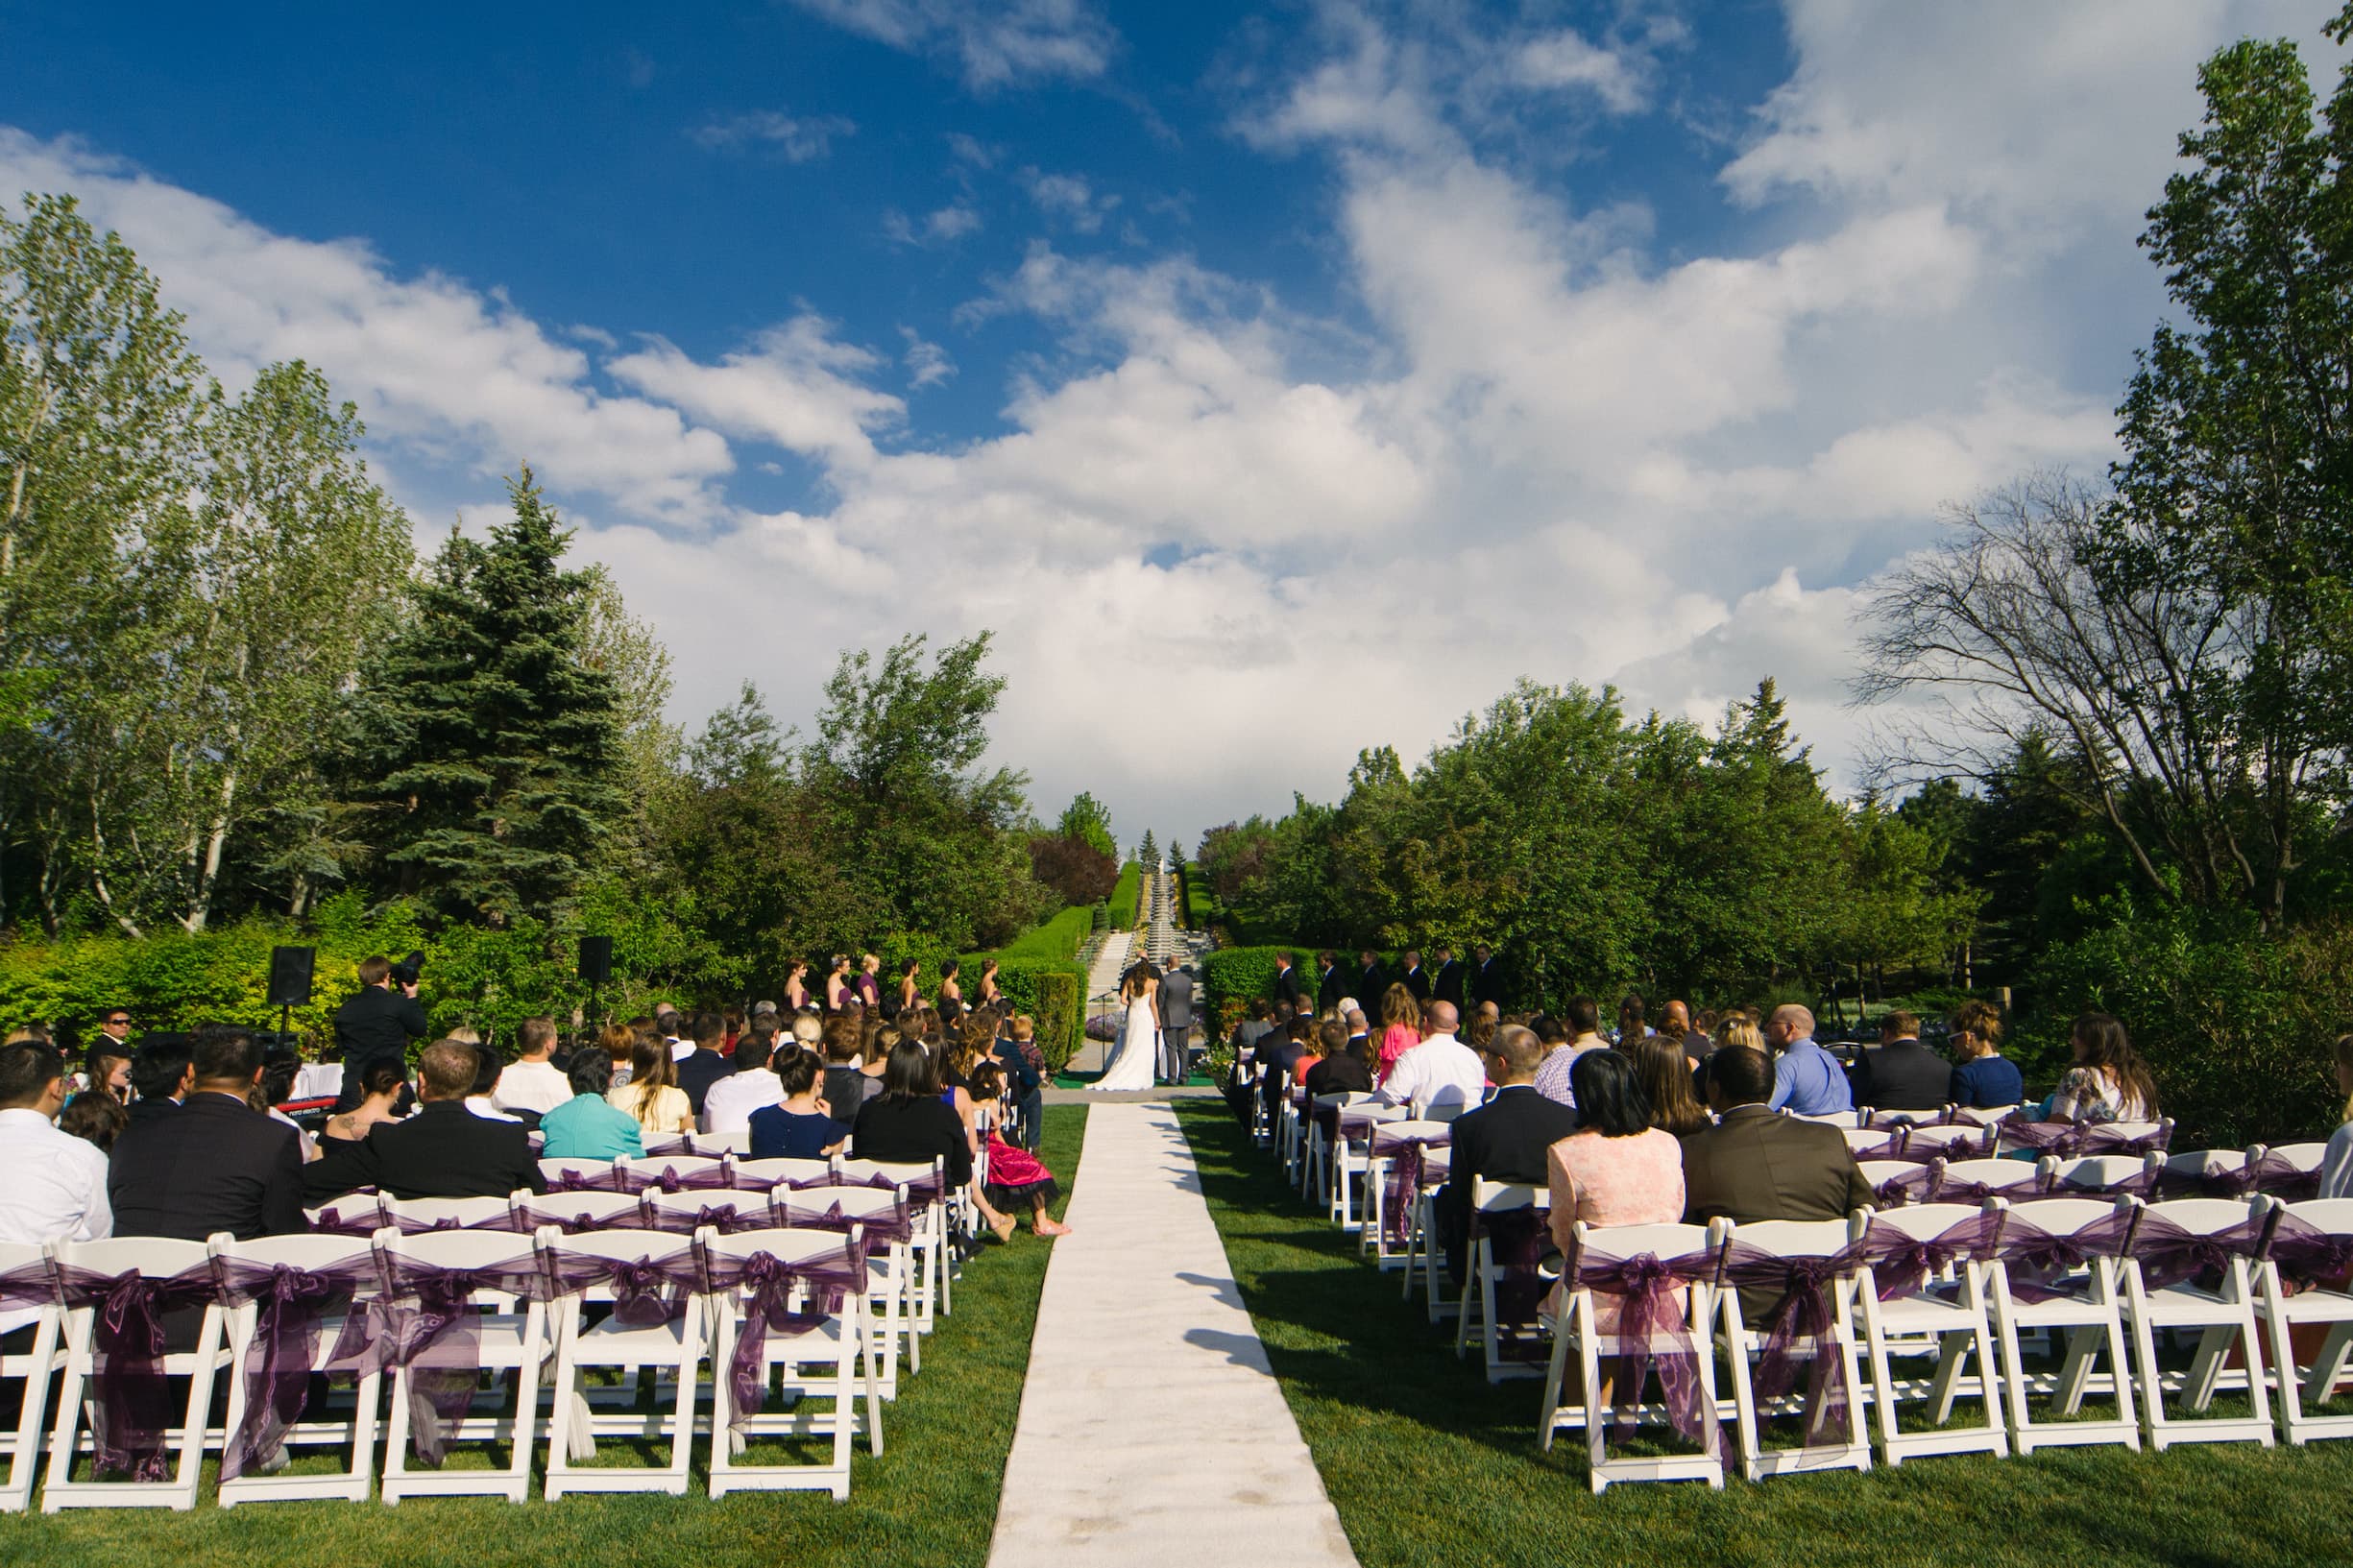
<point>1134,1059</point>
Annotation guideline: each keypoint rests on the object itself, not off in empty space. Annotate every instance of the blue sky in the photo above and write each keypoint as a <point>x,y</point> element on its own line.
<point>1348,360</point>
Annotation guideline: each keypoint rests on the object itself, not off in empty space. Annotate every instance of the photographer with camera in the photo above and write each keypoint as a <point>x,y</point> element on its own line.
<point>377,1023</point>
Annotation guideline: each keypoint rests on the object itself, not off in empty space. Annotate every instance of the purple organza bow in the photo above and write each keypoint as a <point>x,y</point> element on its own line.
<point>332,1221</point>
<point>2169,1254</point>
<point>1517,1239</point>
<point>2035,1261</point>
<point>647,1291</point>
<point>668,1179</point>
<point>1901,1263</point>
<point>132,1407</point>
<point>575,1180</point>
<point>1914,1186</point>
<point>1404,1181</point>
<point>1799,1330</point>
<point>2228,1182</point>
<point>2278,1176</point>
<point>770,1285</point>
<point>2309,1256</point>
<point>284,1350</point>
<point>427,1324</point>
<point>726,1217</point>
<point>1892,1147</point>
<point>1646,1287</point>
<point>894,1228</point>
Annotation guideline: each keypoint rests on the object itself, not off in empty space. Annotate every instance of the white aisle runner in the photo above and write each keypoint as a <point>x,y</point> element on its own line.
<point>1152,1430</point>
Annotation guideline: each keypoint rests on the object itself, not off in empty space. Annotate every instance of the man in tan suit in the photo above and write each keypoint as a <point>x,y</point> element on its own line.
<point>1758,1164</point>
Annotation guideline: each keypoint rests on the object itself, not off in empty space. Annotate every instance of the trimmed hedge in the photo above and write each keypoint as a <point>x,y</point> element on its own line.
<point>1039,974</point>
<point>1127,896</point>
<point>1055,941</point>
<point>1235,977</point>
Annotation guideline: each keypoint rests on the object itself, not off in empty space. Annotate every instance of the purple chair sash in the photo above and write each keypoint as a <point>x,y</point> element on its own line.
<point>1902,1263</point>
<point>2070,1140</point>
<point>667,1180</point>
<point>1914,1186</point>
<point>1892,1147</point>
<point>1403,1185</point>
<point>582,1181</point>
<point>284,1350</point>
<point>428,1325</point>
<point>2169,1255</point>
<point>648,1291</point>
<point>2236,1182</point>
<point>2035,1260</point>
<point>2309,1256</point>
<point>332,1221</point>
<point>132,1409</point>
<point>895,1227</point>
<point>1519,1240</point>
<point>770,1283</point>
<point>1645,1287</point>
<point>1799,1328</point>
<point>725,1215</point>
<point>2275,1175</point>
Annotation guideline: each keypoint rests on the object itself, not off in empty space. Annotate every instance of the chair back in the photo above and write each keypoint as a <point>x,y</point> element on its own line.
<point>669,1143</point>
<point>1789,1238</point>
<point>2101,1173</point>
<point>1830,1118</point>
<point>157,1257</point>
<point>2205,1215</point>
<point>780,1172</point>
<point>1496,1196</point>
<point>2017,1176</point>
<point>619,1245</point>
<point>1984,1116</point>
<point>571,1212</point>
<point>735,1141</point>
<point>2330,1216</point>
<point>1602,1244</point>
<point>2300,1156</point>
<point>1871,1143</point>
<point>414,1213</point>
<point>355,1214</point>
<point>2105,1135</point>
<point>587,1170</point>
<point>654,1167</point>
<point>2064,1216</point>
<point>1445,1113</point>
<point>1390,1136</point>
<point>1953,1141</point>
<point>683,1211</point>
<point>308,1253</point>
<point>1919,1221</point>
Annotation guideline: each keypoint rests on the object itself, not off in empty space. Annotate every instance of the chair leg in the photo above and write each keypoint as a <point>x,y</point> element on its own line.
<point>68,1423</point>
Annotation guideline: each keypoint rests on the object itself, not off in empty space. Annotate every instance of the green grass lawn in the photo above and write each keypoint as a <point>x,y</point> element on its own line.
<point>1427,1462</point>
<point>931,1498</point>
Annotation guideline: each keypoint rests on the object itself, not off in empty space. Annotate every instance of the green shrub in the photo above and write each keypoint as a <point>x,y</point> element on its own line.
<point>2236,1024</point>
<point>1051,993</point>
<point>1127,896</point>
<point>1239,976</point>
<point>1055,940</point>
<point>1099,917</point>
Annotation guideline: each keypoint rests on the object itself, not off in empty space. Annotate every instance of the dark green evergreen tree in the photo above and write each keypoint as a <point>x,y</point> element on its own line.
<point>492,747</point>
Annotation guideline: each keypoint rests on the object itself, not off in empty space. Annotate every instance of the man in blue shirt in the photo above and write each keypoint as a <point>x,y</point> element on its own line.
<point>1807,1079</point>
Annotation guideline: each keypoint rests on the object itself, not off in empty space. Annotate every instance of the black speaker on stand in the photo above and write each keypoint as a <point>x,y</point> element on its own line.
<point>290,983</point>
<point>595,968</point>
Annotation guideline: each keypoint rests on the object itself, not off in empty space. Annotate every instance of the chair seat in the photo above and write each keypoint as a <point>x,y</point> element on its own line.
<point>1922,1312</point>
<point>2185,1304</point>
<point>498,1339</point>
<point>2316,1307</point>
<point>615,1340</point>
<point>820,1342</point>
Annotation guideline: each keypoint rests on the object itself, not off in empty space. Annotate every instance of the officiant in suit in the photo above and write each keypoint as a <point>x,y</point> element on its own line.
<point>1449,985</point>
<point>1175,1021</point>
<point>1417,978</point>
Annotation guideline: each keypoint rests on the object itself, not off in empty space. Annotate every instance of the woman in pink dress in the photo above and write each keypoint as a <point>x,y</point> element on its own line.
<point>1616,1168</point>
<point>1400,1030</point>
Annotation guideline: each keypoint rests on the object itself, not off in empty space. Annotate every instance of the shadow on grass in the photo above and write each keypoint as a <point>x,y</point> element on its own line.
<point>1426,1462</point>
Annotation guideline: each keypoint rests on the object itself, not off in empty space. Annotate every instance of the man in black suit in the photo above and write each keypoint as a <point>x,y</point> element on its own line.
<point>444,1151</point>
<point>703,1065</point>
<point>1486,977</point>
<point>1286,989</point>
<point>1328,982</point>
<point>1447,986</point>
<point>1902,1075</point>
<point>375,1025</point>
<point>161,1076</point>
<point>1416,977</point>
<point>1504,1140</point>
<point>215,1163</point>
<point>1371,983</point>
<point>1281,1052</point>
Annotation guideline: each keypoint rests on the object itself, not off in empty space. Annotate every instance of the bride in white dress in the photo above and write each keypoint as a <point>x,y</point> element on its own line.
<point>1132,1059</point>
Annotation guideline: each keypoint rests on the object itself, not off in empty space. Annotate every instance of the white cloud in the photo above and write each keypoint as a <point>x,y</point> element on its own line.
<point>795,386</point>
<point>1069,197</point>
<point>1566,60</point>
<point>927,363</point>
<point>797,139</point>
<point>993,44</point>
<point>952,221</point>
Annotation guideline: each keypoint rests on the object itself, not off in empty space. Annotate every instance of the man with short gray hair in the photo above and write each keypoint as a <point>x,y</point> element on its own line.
<point>1807,1079</point>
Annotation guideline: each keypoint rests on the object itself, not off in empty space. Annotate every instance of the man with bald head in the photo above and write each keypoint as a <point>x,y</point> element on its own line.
<point>1807,1079</point>
<point>1441,1071</point>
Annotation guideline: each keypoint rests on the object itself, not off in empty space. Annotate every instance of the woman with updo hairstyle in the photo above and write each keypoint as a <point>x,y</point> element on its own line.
<point>1984,1080</point>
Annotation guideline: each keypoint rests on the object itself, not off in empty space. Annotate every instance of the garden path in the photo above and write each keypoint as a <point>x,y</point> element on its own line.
<point>1152,1430</point>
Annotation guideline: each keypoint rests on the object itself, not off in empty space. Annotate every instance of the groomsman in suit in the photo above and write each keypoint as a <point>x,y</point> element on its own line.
<point>1369,982</point>
<point>1417,978</point>
<point>1286,989</point>
<point>1175,1021</point>
<point>1328,982</point>
<point>1486,977</point>
<point>1448,986</point>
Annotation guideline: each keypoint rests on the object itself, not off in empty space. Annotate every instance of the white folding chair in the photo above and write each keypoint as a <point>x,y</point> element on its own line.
<point>1831,1119</point>
<point>355,1214</point>
<point>2291,1161</point>
<point>188,1268</point>
<point>736,1141</point>
<point>2206,1172</point>
<point>1391,1141</point>
<point>664,1327</point>
<point>571,1212</point>
<point>1421,1250</point>
<point>1262,1129</point>
<point>668,1143</point>
<point>27,1285</point>
<point>656,1169</point>
<point>358,1279</point>
<point>1962,1142</point>
<point>816,1362</point>
<point>925,1187</point>
<point>2038,1289</point>
<point>1927,1296</point>
<point>1791,1241</point>
<point>585,1170</point>
<point>682,1214</point>
<point>509,1330</point>
<point>2217,1311</point>
<point>2109,1137</point>
<point>1447,1110</point>
<point>1315,1164</point>
<point>1591,1323</point>
<point>1872,1143</point>
<point>1972,1181</point>
<point>1495,1203</point>
<point>780,1172</point>
<point>2103,1176</point>
<point>1350,1156</point>
<point>890,1267</point>
<point>1984,1116</point>
<point>2312,1236</point>
<point>416,1214</point>
<point>1916,1179</point>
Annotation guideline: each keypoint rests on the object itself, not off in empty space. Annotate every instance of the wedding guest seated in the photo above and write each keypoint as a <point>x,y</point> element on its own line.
<point>1985,1079</point>
<point>1025,1075</point>
<point>161,1074</point>
<point>753,1086</point>
<point>652,1095</point>
<point>2109,1081</point>
<point>1664,1073</point>
<point>850,1082</point>
<point>795,1125</point>
<point>589,1126</point>
<point>703,1064</point>
<point>106,1067</point>
<point>1344,1070</point>
<point>487,1070</point>
<point>908,1120</point>
<point>1504,1140</point>
<point>1756,1164</point>
<point>1441,1071</point>
<point>96,1119</point>
<point>1900,1073</point>
<point>532,1082</point>
<point>1278,1052</point>
<point>446,1150</point>
<point>2336,1160</point>
<point>1618,1168</point>
<point>213,1165</point>
<point>381,1086</point>
<point>1017,1181</point>
<point>1807,1079</point>
<point>55,1189</point>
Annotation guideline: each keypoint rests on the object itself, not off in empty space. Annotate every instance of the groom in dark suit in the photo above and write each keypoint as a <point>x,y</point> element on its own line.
<point>1175,1022</point>
<point>1448,986</point>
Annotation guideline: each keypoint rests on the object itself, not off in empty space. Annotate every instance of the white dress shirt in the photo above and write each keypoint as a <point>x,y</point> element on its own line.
<point>1441,1071</point>
<point>55,1190</point>
<point>530,1086</point>
<point>729,1104</point>
<point>483,1106</point>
